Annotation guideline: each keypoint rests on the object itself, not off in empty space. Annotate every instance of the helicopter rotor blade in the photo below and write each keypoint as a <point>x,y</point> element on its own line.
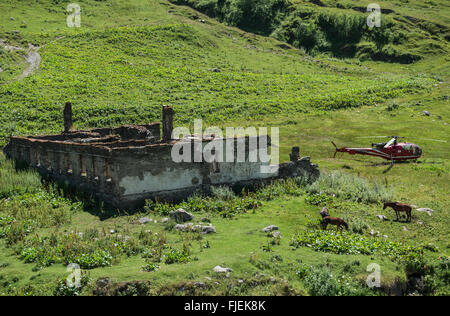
<point>380,136</point>
<point>430,139</point>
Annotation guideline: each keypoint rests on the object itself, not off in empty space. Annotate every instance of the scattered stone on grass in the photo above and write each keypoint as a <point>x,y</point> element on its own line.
<point>270,228</point>
<point>196,228</point>
<point>220,269</point>
<point>426,210</point>
<point>144,220</point>
<point>426,113</point>
<point>200,285</point>
<point>181,216</point>
<point>276,234</point>
<point>208,229</point>
<point>382,217</point>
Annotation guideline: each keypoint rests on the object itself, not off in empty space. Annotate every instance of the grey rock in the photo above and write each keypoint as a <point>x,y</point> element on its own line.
<point>145,220</point>
<point>426,113</point>
<point>208,229</point>
<point>276,234</point>
<point>205,220</point>
<point>270,228</point>
<point>382,217</point>
<point>220,269</point>
<point>181,216</point>
<point>180,227</point>
<point>215,70</point>
<point>165,220</point>
<point>426,210</point>
<point>200,285</point>
<point>405,229</point>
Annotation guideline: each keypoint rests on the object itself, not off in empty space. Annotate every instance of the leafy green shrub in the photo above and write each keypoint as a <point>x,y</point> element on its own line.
<point>99,258</point>
<point>13,182</point>
<point>196,203</point>
<point>349,243</point>
<point>222,193</point>
<point>318,199</point>
<point>356,224</point>
<point>321,282</point>
<point>63,289</point>
<point>176,256</point>
<point>150,267</point>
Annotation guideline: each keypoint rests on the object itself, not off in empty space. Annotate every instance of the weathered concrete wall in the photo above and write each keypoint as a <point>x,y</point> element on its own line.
<point>151,172</point>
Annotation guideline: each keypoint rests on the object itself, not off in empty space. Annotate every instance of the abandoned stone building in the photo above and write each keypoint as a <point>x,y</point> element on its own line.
<point>126,165</point>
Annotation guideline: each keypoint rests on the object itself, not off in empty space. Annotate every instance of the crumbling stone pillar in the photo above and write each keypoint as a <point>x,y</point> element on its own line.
<point>167,117</point>
<point>295,154</point>
<point>68,123</point>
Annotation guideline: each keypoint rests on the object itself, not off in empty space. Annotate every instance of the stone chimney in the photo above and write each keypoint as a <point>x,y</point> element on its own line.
<point>68,123</point>
<point>167,121</point>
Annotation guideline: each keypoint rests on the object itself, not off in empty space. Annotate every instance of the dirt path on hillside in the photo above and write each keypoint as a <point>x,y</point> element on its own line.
<point>34,60</point>
<point>32,57</point>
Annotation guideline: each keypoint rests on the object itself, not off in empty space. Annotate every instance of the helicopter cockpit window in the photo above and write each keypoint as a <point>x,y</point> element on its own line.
<point>417,151</point>
<point>378,145</point>
<point>407,147</point>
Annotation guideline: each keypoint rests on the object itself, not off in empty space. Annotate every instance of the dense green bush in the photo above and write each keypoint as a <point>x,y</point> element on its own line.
<point>350,243</point>
<point>314,29</point>
<point>320,281</point>
<point>14,181</point>
<point>177,256</point>
<point>197,203</point>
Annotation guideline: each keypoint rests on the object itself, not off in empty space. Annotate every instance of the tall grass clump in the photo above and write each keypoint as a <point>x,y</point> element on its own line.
<point>320,281</point>
<point>350,187</point>
<point>223,193</point>
<point>14,181</point>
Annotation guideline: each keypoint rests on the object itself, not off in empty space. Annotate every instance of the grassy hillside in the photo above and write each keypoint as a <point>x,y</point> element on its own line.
<point>339,27</point>
<point>130,57</point>
<point>123,74</point>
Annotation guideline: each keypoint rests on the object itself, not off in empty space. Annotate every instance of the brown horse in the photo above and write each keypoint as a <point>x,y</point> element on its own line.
<point>339,222</point>
<point>399,207</point>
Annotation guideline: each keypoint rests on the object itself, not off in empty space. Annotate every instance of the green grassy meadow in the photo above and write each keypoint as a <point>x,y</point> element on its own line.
<point>130,57</point>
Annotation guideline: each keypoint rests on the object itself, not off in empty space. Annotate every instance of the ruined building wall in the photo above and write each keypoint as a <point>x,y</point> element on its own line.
<point>124,166</point>
<point>151,172</point>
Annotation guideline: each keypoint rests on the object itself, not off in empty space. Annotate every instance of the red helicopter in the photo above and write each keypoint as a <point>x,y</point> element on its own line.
<point>392,150</point>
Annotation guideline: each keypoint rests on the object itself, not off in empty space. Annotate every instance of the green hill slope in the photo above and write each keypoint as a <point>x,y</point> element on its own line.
<point>123,73</point>
<point>404,35</point>
<point>129,57</point>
